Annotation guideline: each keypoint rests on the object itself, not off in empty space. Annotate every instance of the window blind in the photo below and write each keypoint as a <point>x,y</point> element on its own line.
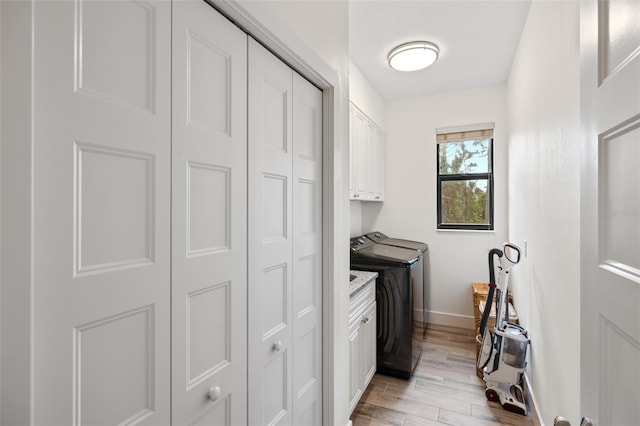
<point>459,133</point>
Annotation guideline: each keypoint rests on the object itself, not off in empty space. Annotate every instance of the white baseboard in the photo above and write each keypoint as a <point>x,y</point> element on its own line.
<point>533,406</point>
<point>452,320</point>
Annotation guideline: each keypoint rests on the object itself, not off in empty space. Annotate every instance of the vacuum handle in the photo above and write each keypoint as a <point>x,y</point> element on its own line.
<point>492,287</point>
<point>511,253</point>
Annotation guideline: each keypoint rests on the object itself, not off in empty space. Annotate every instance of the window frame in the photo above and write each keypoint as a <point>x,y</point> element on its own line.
<point>488,176</point>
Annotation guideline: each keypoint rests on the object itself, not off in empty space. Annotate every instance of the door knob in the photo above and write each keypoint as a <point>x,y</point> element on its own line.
<point>277,345</point>
<point>214,393</point>
<point>561,421</point>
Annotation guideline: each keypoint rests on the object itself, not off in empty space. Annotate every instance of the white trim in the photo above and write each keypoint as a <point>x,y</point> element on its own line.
<point>465,128</point>
<point>260,24</point>
<point>328,209</point>
<point>468,231</point>
<point>533,405</point>
<point>453,320</point>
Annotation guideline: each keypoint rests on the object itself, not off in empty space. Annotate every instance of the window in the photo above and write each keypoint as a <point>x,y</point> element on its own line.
<point>465,178</point>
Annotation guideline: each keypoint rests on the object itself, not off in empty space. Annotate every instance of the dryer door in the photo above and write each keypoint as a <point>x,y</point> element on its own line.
<point>389,300</point>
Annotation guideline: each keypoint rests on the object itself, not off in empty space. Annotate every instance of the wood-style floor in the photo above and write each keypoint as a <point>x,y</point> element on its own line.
<point>444,389</point>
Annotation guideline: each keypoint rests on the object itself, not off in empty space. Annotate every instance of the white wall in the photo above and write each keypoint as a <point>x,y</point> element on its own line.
<point>544,206</point>
<point>409,209</point>
<point>356,219</point>
<point>363,94</point>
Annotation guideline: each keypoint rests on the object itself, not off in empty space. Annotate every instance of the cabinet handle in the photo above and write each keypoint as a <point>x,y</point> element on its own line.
<point>214,393</point>
<point>277,346</point>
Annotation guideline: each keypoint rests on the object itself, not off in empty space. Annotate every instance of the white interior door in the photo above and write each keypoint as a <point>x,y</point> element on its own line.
<point>270,238</point>
<point>610,52</point>
<point>307,253</point>
<point>101,212</point>
<point>209,246</point>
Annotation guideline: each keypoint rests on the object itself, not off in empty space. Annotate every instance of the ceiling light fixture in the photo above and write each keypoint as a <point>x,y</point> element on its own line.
<point>413,56</point>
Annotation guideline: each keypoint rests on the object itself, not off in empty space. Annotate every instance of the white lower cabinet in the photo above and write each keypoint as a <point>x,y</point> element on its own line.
<point>368,330</point>
<point>355,352</point>
<point>362,340</point>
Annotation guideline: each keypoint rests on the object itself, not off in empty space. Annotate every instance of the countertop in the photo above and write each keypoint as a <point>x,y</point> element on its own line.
<point>361,280</point>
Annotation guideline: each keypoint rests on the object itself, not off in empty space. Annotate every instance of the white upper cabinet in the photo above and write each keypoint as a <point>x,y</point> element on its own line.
<point>367,157</point>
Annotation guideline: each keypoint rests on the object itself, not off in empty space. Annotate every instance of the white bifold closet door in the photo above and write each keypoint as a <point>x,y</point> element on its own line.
<point>101,212</point>
<point>307,253</point>
<point>209,180</point>
<point>285,244</point>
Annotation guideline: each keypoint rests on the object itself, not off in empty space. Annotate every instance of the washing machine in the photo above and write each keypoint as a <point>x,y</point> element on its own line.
<point>421,290</point>
<point>398,347</point>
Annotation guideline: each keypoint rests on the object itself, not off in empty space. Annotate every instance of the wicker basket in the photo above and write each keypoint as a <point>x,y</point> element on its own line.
<point>480,292</point>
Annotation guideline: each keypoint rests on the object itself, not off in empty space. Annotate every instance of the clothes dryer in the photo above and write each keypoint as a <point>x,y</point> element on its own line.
<point>398,347</point>
<point>421,286</point>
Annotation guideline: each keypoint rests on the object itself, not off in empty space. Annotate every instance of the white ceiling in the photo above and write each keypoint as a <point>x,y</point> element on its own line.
<point>477,41</point>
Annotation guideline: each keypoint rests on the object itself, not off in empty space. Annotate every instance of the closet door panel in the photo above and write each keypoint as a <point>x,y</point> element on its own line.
<point>307,253</point>
<point>270,238</point>
<point>101,212</point>
<point>209,217</point>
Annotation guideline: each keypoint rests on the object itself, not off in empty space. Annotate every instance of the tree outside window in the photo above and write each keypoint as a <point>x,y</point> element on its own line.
<point>465,180</point>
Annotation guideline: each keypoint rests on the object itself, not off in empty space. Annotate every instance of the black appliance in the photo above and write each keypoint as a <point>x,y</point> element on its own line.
<point>420,309</point>
<point>398,347</point>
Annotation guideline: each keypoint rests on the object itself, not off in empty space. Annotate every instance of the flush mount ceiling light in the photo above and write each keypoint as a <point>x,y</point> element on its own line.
<point>413,56</point>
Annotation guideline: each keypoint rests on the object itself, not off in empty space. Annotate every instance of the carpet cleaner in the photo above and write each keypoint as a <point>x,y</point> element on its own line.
<point>503,354</point>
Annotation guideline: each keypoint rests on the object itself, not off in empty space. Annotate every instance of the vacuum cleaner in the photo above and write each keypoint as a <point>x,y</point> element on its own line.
<point>503,354</point>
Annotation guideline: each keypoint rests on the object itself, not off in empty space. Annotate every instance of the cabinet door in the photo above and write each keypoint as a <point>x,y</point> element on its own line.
<point>352,169</point>
<point>101,212</point>
<point>378,165</point>
<point>369,159</point>
<point>355,364</point>
<point>369,344</point>
<point>270,238</point>
<point>358,144</point>
<point>209,228</point>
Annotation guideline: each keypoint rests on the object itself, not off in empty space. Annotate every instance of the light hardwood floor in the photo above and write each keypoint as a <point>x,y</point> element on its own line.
<point>444,389</point>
